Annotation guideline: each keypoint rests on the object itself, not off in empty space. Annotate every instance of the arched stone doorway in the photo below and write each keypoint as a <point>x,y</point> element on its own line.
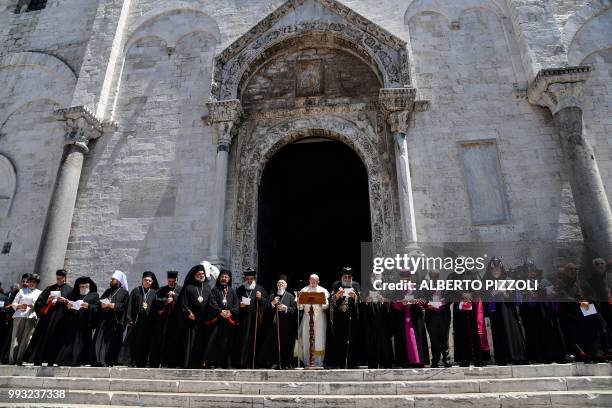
<point>255,150</point>
<point>311,68</point>
<point>313,212</point>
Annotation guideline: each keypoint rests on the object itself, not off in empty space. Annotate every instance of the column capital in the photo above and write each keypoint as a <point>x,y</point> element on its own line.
<point>82,126</point>
<point>558,88</point>
<point>224,116</point>
<point>397,105</point>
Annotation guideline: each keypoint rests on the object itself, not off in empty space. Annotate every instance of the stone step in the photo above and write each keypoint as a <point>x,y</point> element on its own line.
<point>422,374</point>
<point>485,385</point>
<point>194,400</point>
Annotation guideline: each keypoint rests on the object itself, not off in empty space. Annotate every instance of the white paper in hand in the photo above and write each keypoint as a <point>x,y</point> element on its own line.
<point>27,301</point>
<point>589,310</point>
<point>1,303</point>
<point>55,293</point>
<point>105,301</point>
<point>347,291</point>
<point>76,305</point>
<point>374,295</point>
<point>246,301</point>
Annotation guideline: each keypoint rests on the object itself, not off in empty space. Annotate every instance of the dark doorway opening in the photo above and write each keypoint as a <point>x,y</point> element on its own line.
<point>314,212</point>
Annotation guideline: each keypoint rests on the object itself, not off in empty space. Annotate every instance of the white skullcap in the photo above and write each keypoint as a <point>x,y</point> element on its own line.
<point>120,276</point>
<point>314,275</point>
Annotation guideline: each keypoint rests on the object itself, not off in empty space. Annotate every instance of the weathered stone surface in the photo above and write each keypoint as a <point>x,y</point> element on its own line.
<point>150,66</point>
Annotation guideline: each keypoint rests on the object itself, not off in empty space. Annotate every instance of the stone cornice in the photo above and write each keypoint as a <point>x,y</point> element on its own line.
<point>558,88</point>
<point>82,126</point>
<point>397,105</point>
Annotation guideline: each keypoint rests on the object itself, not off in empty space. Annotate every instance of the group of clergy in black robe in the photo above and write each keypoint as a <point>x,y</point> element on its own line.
<point>207,323</point>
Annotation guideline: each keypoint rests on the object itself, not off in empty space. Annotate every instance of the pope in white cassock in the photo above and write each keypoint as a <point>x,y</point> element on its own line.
<point>320,325</point>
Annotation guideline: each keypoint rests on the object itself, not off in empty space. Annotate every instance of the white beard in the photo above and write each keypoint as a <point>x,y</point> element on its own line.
<point>84,292</point>
<point>280,292</point>
<point>250,287</point>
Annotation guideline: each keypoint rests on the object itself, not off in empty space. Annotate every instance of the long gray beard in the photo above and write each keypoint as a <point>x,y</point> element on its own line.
<point>251,286</point>
<point>280,292</point>
<point>347,284</point>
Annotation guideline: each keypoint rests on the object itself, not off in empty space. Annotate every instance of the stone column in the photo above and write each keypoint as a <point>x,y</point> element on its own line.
<point>224,117</point>
<point>81,128</point>
<point>397,105</point>
<point>560,90</point>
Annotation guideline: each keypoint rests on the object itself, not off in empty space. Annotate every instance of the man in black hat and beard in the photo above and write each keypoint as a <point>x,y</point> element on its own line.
<point>252,298</point>
<point>193,303</point>
<point>78,324</point>
<point>344,316</point>
<point>137,342</point>
<point>223,323</point>
<point>50,308</point>
<point>279,310</point>
<point>166,322</point>
<point>110,312</point>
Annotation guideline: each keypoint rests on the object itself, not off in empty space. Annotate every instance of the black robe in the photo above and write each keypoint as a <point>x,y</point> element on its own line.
<point>223,331</point>
<point>137,342</point>
<point>77,329</point>
<point>344,323</point>
<point>194,332</point>
<point>466,339</point>
<point>583,334</point>
<point>110,327</point>
<point>542,332</point>
<point>506,330</point>
<point>46,340</point>
<point>165,332</point>
<point>6,325</point>
<point>248,315</point>
<point>282,325</point>
<point>376,318</point>
<point>437,322</point>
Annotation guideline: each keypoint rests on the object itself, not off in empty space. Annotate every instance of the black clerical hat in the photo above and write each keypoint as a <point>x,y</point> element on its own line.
<point>172,274</point>
<point>149,274</point>
<point>61,272</point>
<point>83,280</point>
<point>284,277</point>
<point>347,270</point>
<point>249,272</point>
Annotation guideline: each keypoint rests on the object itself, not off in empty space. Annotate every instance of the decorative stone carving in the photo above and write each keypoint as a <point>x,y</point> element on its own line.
<point>81,126</point>
<point>261,143</point>
<point>310,76</point>
<point>237,60</point>
<point>397,105</point>
<point>224,116</point>
<point>558,88</point>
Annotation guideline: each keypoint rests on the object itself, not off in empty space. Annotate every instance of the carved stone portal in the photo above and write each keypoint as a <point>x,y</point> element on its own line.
<point>258,145</point>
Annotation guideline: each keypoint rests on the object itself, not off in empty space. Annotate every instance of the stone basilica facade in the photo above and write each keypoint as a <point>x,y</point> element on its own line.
<point>136,134</point>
